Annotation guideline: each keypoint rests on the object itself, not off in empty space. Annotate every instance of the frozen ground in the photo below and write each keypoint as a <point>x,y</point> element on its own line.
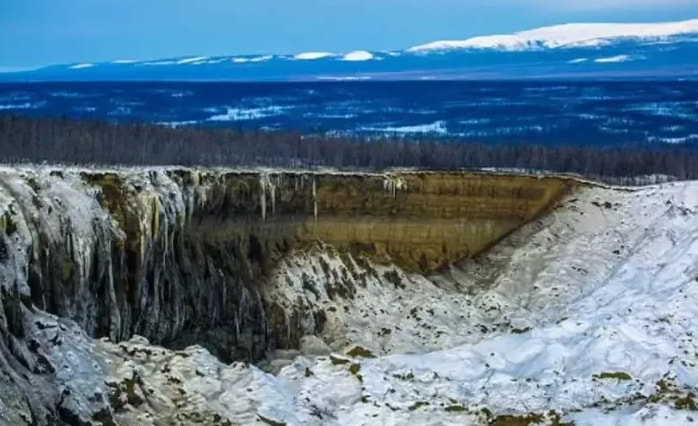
<point>584,316</point>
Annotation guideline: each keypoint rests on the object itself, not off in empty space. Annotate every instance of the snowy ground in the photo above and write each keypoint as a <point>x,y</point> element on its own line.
<point>584,316</point>
<point>589,312</point>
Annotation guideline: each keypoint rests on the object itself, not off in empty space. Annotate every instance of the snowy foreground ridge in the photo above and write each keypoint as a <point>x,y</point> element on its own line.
<point>586,316</point>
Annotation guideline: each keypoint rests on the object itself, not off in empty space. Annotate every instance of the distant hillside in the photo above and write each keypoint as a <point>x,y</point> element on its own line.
<point>580,51</point>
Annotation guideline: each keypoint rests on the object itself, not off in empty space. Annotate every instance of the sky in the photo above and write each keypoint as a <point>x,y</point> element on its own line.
<point>41,32</point>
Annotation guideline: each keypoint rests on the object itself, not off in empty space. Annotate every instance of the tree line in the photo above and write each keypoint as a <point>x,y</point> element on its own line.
<point>74,142</point>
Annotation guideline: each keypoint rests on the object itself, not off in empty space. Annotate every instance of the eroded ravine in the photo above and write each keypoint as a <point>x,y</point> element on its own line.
<point>185,257</point>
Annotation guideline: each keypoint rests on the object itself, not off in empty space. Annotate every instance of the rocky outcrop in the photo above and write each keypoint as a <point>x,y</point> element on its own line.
<point>183,256</point>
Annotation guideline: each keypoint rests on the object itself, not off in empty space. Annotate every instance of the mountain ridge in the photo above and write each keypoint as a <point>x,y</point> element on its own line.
<point>567,36</point>
<point>567,51</point>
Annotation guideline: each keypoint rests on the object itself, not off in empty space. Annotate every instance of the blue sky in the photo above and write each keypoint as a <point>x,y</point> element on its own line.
<point>41,32</point>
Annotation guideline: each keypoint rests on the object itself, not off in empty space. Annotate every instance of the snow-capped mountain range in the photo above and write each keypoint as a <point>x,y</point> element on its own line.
<point>563,51</point>
<point>568,36</point>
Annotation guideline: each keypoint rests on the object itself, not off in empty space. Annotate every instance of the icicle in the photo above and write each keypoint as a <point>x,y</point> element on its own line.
<point>141,239</point>
<point>272,187</point>
<point>115,323</point>
<point>265,320</point>
<point>263,198</point>
<point>166,249</point>
<point>314,199</point>
<point>237,327</point>
<point>393,184</point>
<point>156,215</point>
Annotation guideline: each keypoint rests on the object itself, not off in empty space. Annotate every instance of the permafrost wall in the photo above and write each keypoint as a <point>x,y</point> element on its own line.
<point>180,256</point>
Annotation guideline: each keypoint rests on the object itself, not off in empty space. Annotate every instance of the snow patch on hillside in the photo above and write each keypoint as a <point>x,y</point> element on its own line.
<point>614,59</point>
<point>25,105</point>
<point>309,56</point>
<point>160,63</point>
<point>191,60</point>
<point>358,55</point>
<point>242,114</point>
<point>438,127</point>
<point>81,66</point>
<point>692,138</point>
<point>242,60</point>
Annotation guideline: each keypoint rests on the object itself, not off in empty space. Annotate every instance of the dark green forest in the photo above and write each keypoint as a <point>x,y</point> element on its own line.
<point>71,142</point>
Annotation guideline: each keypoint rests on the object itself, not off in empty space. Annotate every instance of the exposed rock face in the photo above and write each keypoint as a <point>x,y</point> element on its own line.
<point>183,256</point>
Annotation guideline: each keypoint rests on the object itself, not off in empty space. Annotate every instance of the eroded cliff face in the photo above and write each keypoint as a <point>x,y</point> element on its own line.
<point>184,256</point>
<point>180,255</point>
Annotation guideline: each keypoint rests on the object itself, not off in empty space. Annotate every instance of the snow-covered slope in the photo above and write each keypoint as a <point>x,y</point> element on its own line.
<point>589,312</point>
<point>658,50</point>
<point>586,315</point>
<point>567,36</point>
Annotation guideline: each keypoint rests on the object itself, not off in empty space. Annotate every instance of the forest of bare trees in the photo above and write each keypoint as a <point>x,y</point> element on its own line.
<point>65,141</point>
